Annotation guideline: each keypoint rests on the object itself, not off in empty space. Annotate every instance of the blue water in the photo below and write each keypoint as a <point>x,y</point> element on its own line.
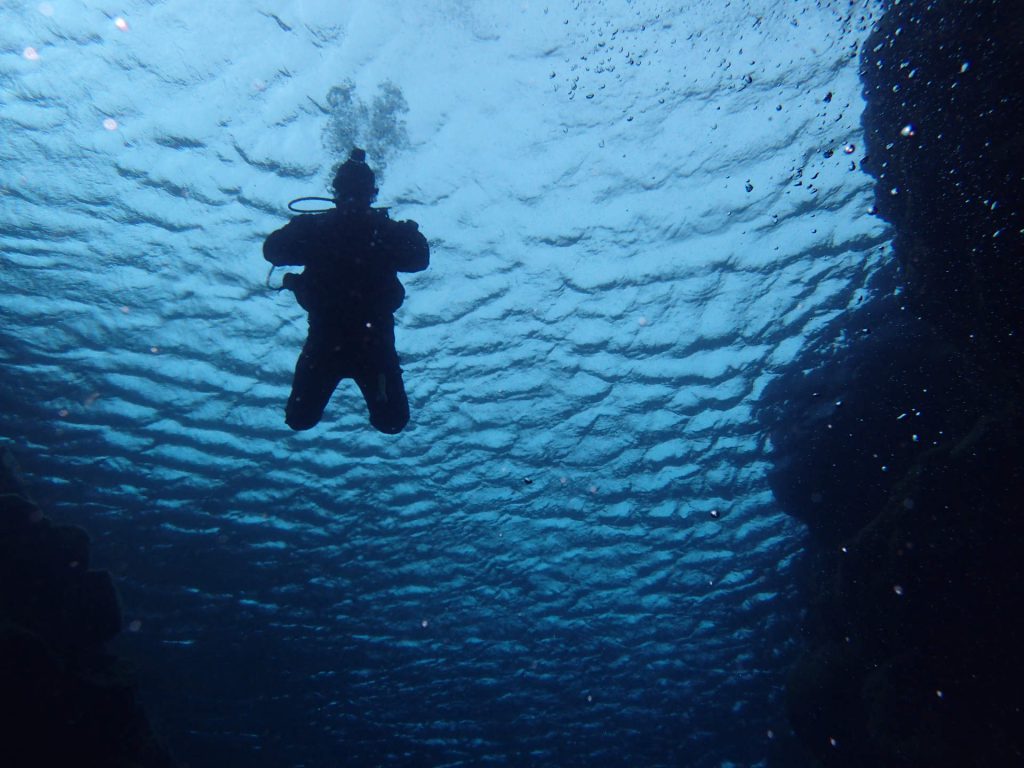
<point>640,215</point>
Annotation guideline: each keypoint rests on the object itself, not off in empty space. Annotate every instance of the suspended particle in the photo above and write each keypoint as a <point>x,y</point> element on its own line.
<point>121,24</point>
<point>31,54</point>
<point>63,413</point>
<point>939,694</point>
<point>110,123</point>
<point>134,626</point>
<point>528,480</point>
<point>898,590</point>
<point>907,130</point>
<point>641,320</point>
<point>715,514</point>
<point>850,149</point>
<point>424,623</point>
<point>154,350</point>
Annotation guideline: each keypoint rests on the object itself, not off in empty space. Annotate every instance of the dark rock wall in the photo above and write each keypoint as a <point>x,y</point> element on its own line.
<point>65,700</point>
<point>945,142</point>
<point>903,453</point>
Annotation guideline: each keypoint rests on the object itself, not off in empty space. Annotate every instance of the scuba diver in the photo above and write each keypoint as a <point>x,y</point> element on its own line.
<point>350,289</point>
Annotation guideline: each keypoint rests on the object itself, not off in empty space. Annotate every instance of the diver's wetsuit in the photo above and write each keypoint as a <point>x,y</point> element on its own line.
<point>350,289</point>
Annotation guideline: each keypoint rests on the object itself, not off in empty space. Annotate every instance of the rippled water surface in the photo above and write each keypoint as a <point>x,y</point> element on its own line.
<point>639,215</point>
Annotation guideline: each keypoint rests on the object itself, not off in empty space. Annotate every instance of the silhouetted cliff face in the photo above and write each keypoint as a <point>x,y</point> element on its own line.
<point>67,701</point>
<point>903,455</point>
<point>944,140</point>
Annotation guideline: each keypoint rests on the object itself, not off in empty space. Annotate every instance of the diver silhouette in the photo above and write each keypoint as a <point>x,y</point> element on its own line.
<point>350,289</point>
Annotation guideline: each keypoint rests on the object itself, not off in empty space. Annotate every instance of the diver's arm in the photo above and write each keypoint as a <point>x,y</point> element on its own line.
<point>292,243</point>
<point>409,248</point>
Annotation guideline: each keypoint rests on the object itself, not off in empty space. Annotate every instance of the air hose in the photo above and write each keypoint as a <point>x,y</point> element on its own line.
<point>311,210</point>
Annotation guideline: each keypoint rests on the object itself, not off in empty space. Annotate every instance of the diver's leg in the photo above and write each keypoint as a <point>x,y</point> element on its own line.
<point>384,392</point>
<point>316,377</point>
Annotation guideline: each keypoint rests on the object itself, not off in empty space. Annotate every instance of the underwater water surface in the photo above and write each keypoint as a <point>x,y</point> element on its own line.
<point>640,215</point>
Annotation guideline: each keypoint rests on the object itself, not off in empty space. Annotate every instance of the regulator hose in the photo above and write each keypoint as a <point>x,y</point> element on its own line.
<point>291,205</point>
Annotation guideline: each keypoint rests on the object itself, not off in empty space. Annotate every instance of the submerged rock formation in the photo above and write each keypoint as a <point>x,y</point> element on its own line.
<point>67,701</point>
<point>903,455</point>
